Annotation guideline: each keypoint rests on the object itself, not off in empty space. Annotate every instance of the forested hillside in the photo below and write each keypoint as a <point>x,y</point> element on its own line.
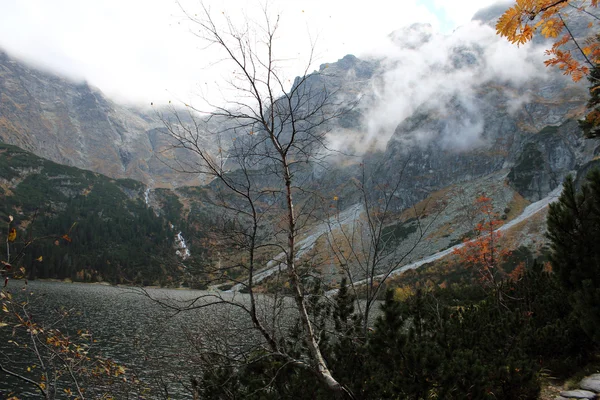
<point>83,225</point>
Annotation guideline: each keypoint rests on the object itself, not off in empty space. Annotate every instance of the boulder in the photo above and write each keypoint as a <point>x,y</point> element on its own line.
<point>578,394</point>
<point>591,383</point>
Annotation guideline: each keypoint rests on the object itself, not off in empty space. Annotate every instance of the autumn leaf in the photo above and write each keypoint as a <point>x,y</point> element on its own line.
<point>12,235</point>
<point>526,18</point>
<point>40,258</point>
<point>518,272</point>
<point>67,238</point>
<point>484,253</point>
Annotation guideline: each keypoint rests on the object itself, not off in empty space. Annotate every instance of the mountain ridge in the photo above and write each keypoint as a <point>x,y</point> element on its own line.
<point>470,120</point>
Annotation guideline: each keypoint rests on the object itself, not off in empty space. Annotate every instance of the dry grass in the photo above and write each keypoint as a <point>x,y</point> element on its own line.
<point>550,390</point>
<point>516,205</point>
<point>6,188</point>
<point>442,231</point>
<point>433,203</point>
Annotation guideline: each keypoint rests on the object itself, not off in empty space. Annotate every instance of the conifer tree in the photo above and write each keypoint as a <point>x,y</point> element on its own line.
<point>590,124</point>
<point>574,232</point>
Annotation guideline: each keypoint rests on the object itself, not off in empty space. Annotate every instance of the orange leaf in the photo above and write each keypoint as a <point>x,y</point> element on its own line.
<point>12,235</point>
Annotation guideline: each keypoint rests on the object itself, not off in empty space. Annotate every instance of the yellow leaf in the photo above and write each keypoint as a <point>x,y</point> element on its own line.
<point>40,258</point>
<point>3,324</point>
<point>12,235</point>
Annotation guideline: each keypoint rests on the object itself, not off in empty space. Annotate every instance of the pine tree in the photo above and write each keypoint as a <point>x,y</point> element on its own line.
<point>590,124</point>
<point>574,232</point>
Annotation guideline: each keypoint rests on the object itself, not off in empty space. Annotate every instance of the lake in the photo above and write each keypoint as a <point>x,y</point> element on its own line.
<point>152,342</point>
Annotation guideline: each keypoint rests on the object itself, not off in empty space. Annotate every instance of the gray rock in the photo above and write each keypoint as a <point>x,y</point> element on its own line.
<point>591,382</point>
<point>578,394</point>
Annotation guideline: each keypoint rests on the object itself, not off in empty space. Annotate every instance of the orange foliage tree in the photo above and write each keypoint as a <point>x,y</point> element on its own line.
<point>550,18</point>
<point>485,252</point>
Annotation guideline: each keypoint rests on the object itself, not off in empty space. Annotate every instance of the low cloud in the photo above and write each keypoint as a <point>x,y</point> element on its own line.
<point>425,70</point>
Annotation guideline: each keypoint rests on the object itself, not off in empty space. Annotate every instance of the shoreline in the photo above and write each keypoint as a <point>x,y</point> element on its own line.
<point>105,283</point>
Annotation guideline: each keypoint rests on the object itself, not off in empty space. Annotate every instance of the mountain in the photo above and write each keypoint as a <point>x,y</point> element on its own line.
<point>111,234</point>
<point>74,124</point>
<point>449,116</point>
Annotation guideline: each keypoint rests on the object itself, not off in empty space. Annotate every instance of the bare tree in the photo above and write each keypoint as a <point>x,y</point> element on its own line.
<point>367,245</point>
<point>259,149</point>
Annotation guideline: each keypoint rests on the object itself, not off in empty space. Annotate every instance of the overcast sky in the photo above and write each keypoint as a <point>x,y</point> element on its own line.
<point>141,51</point>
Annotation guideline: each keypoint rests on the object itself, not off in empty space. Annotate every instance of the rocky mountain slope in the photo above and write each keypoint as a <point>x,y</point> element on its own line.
<point>456,114</point>
<point>74,124</point>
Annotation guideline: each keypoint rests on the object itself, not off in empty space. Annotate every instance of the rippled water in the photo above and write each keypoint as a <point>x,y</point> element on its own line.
<point>130,328</point>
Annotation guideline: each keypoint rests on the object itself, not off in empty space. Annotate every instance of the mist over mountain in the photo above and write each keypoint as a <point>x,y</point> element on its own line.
<point>72,123</point>
<point>440,110</point>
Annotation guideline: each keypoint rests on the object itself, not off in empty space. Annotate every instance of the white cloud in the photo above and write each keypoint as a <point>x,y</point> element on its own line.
<point>139,50</point>
<point>445,71</point>
<point>460,14</point>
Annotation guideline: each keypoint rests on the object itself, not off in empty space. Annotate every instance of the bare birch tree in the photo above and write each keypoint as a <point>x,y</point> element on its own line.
<point>257,148</point>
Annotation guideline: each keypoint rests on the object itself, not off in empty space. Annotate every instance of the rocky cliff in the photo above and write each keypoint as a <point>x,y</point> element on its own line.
<point>74,124</point>
<point>441,111</point>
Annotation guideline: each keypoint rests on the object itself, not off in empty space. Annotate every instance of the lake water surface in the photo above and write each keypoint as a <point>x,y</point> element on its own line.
<point>153,343</point>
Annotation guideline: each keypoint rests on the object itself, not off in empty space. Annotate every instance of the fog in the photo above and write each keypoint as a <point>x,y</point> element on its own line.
<point>424,70</point>
<point>143,51</point>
